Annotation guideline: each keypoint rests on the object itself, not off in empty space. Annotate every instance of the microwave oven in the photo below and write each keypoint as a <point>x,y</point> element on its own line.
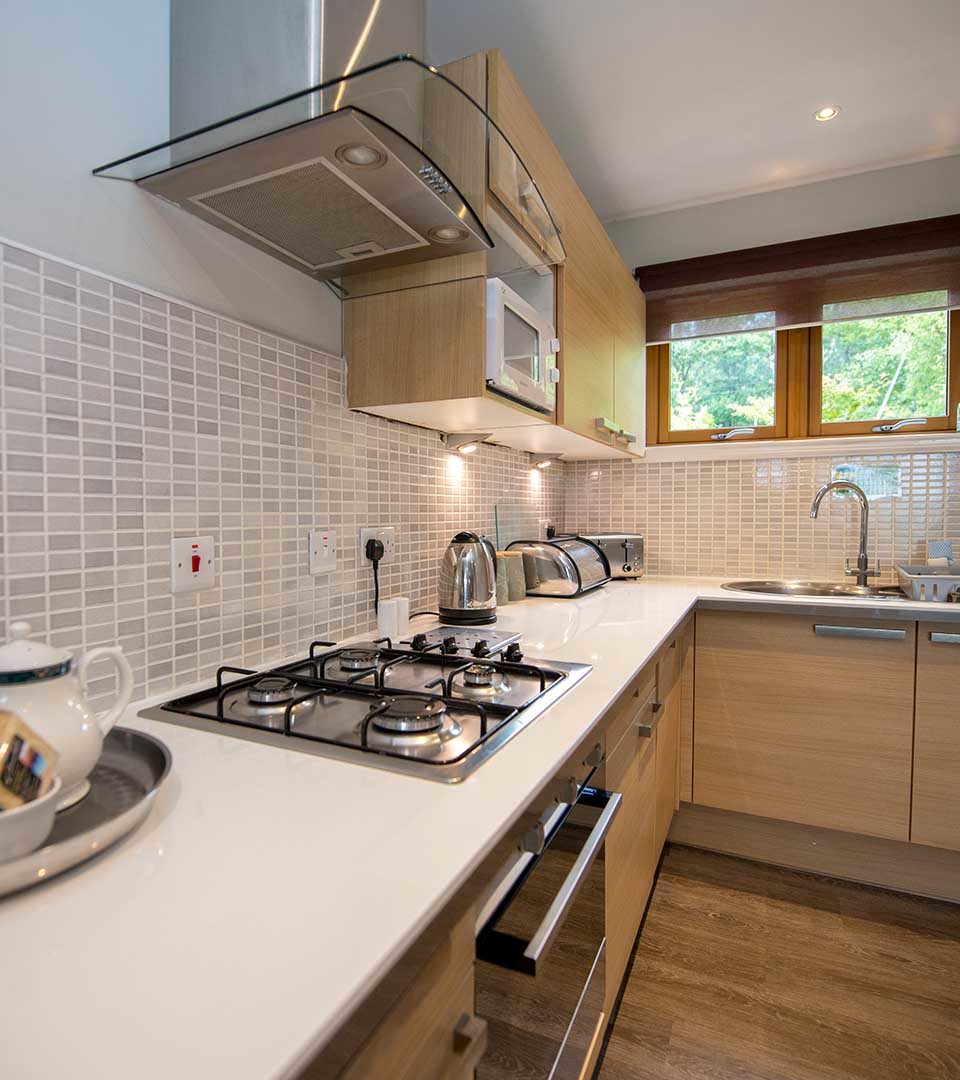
<point>521,349</point>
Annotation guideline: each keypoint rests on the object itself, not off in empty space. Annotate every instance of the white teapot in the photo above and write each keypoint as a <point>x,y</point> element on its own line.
<point>42,684</point>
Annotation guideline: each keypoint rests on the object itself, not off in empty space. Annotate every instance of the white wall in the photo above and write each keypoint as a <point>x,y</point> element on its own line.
<point>85,83</point>
<point>862,201</point>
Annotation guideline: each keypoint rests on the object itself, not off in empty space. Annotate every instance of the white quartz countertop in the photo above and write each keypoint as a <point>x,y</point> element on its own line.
<point>268,890</point>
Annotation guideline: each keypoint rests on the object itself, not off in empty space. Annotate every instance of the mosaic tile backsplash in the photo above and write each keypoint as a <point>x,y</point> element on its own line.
<point>127,419</point>
<point>752,518</point>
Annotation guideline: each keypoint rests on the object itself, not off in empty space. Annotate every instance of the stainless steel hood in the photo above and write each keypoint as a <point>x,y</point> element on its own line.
<point>364,170</point>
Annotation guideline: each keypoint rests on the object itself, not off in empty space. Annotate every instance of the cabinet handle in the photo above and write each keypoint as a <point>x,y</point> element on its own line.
<point>939,638</point>
<point>860,632</point>
<point>603,423</point>
<point>646,730</point>
<point>470,1039</point>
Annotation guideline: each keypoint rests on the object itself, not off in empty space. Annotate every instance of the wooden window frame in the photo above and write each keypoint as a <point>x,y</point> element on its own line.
<point>658,389</point>
<point>819,429</point>
<point>798,394</point>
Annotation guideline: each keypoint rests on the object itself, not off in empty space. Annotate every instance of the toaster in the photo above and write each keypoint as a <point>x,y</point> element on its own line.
<point>624,552</point>
<point>562,566</point>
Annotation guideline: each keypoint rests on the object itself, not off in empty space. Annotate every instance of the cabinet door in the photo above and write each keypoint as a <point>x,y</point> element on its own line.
<point>586,362</point>
<point>687,646</point>
<point>668,740</point>
<point>806,720</point>
<point>630,365</point>
<point>936,750</point>
<point>629,852</point>
<point>432,1033</point>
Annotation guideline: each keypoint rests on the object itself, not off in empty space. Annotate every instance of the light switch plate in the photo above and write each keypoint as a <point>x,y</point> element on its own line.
<point>191,563</point>
<point>322,551</point>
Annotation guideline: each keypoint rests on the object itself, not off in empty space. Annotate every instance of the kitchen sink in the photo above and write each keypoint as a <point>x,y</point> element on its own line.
<point>817,588</point>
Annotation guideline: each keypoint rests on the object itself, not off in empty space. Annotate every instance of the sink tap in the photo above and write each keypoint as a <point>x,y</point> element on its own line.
<point>863,571</point>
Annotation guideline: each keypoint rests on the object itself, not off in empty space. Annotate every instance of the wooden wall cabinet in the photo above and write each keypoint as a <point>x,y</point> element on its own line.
<point>806,719</point>
<point>601,311</point>
<point>415,339</point>
<point>936,748</point>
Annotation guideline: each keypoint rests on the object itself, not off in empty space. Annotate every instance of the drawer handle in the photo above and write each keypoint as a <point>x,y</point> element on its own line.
<point>646,729</point>
<point>560,908</point>
<point>470,1039</point>
<point>881,632</point>
<point>939,638</point>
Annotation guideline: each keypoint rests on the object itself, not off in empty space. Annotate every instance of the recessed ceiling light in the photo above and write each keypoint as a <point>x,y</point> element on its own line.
<point>828,112</point>
<point>447,234</point>
<point>360,155</point>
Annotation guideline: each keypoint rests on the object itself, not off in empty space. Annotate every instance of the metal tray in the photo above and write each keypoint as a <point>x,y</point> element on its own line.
<point>123,784</point>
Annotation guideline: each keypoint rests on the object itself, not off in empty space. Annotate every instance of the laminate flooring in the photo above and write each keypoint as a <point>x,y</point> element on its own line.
<point>750,972</point>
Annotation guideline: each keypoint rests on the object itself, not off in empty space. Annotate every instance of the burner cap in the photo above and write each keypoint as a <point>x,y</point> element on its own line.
<point>273,690</point>
<point>410,714</point>
<point>478,675</point>
<point>359,658</point>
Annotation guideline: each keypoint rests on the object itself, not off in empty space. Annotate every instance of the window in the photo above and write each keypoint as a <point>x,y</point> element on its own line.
<point>883,368</point>
<point>709,385</point>
<point>874,362</point>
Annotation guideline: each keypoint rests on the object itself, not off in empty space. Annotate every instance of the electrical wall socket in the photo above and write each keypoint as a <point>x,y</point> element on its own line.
<point>386,535</point>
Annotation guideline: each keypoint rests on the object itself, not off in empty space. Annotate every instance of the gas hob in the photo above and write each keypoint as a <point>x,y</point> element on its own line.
<point>436,706</point>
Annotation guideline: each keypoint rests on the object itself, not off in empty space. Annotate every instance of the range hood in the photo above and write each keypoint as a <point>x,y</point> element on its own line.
<point>373,169</point>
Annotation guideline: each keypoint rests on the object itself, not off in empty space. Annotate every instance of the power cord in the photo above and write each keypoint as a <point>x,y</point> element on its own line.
<point>374,552</point>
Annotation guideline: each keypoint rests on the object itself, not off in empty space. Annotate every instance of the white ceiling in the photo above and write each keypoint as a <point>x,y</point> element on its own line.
<point>668,103</point>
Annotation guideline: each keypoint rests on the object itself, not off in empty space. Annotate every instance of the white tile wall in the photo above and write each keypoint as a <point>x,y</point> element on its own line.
<point>751,518</point>
<point>127,419</point>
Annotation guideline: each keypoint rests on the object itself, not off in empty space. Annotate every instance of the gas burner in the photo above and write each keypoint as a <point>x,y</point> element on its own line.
<point>359,658</point>
<point>273,690</point>
<point>481,681</point>
<point>410,714</point>
<point>479,675</point>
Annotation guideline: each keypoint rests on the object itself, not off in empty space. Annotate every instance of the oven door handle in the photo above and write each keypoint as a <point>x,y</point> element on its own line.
<point>557,912</point>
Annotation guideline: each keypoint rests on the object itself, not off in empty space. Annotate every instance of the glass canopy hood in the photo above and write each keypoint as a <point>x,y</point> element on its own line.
<point>384,167</point>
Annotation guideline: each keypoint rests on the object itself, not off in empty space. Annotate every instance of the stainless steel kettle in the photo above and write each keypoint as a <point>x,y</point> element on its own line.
<point>468,581</point>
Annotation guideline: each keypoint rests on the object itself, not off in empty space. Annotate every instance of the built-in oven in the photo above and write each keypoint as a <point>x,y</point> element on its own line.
<point>521,349</point>
<point>541,946</point>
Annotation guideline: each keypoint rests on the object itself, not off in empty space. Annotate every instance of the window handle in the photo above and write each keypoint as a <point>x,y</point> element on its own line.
<point>721,435</point>
<point>885,429</point>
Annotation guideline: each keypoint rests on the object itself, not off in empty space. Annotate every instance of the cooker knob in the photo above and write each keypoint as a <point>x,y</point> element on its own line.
<point>513,655</point>
<point>450,644</point>
<point>482,648</point>
<point>419,642</point>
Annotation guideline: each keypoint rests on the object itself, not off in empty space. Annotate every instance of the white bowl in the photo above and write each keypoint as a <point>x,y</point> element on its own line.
<point>25,828</point>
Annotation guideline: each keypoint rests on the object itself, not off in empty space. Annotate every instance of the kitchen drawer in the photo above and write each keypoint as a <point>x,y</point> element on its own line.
<point>633,701</point>
<point>432,1033</point>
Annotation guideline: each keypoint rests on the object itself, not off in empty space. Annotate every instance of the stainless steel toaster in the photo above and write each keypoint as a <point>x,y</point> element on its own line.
<point>624,552</point>
<point>562,566</point>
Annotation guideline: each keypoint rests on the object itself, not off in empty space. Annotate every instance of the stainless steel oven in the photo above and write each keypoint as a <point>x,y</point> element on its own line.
<point>541,947</point>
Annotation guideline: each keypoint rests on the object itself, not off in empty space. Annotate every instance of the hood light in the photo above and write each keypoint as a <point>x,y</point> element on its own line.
<point>360,156</point>
<point>543,461</point>
<point>447,234</point>
<point>465,443</point>
<point>828,112</point>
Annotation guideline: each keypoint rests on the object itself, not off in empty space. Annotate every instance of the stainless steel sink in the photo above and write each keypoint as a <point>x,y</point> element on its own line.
<point>817,588</point>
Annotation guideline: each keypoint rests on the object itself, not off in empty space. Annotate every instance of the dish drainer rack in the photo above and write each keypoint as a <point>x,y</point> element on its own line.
<point>936,583</point>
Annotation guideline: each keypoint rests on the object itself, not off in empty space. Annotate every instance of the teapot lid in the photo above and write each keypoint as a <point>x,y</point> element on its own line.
<point>23,660</point>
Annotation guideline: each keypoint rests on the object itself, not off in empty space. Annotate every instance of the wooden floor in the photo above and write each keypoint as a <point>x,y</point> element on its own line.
<point>746,971</point>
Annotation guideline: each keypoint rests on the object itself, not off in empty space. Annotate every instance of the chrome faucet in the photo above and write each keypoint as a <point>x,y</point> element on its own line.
<point>863,571</point>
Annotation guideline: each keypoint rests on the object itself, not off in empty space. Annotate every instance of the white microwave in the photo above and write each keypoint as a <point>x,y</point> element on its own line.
<point>522,349</point>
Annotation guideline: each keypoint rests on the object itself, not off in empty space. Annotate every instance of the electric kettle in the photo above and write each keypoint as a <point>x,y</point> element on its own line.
<point>468,581</point>
<point>40,683</point>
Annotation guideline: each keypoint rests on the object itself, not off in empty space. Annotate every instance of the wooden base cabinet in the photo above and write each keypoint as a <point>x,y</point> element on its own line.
<point>806,719</point>
<point>433,1032</point>
<point>668,740</point>
<point>631,851</point>
<point>936,753</point>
